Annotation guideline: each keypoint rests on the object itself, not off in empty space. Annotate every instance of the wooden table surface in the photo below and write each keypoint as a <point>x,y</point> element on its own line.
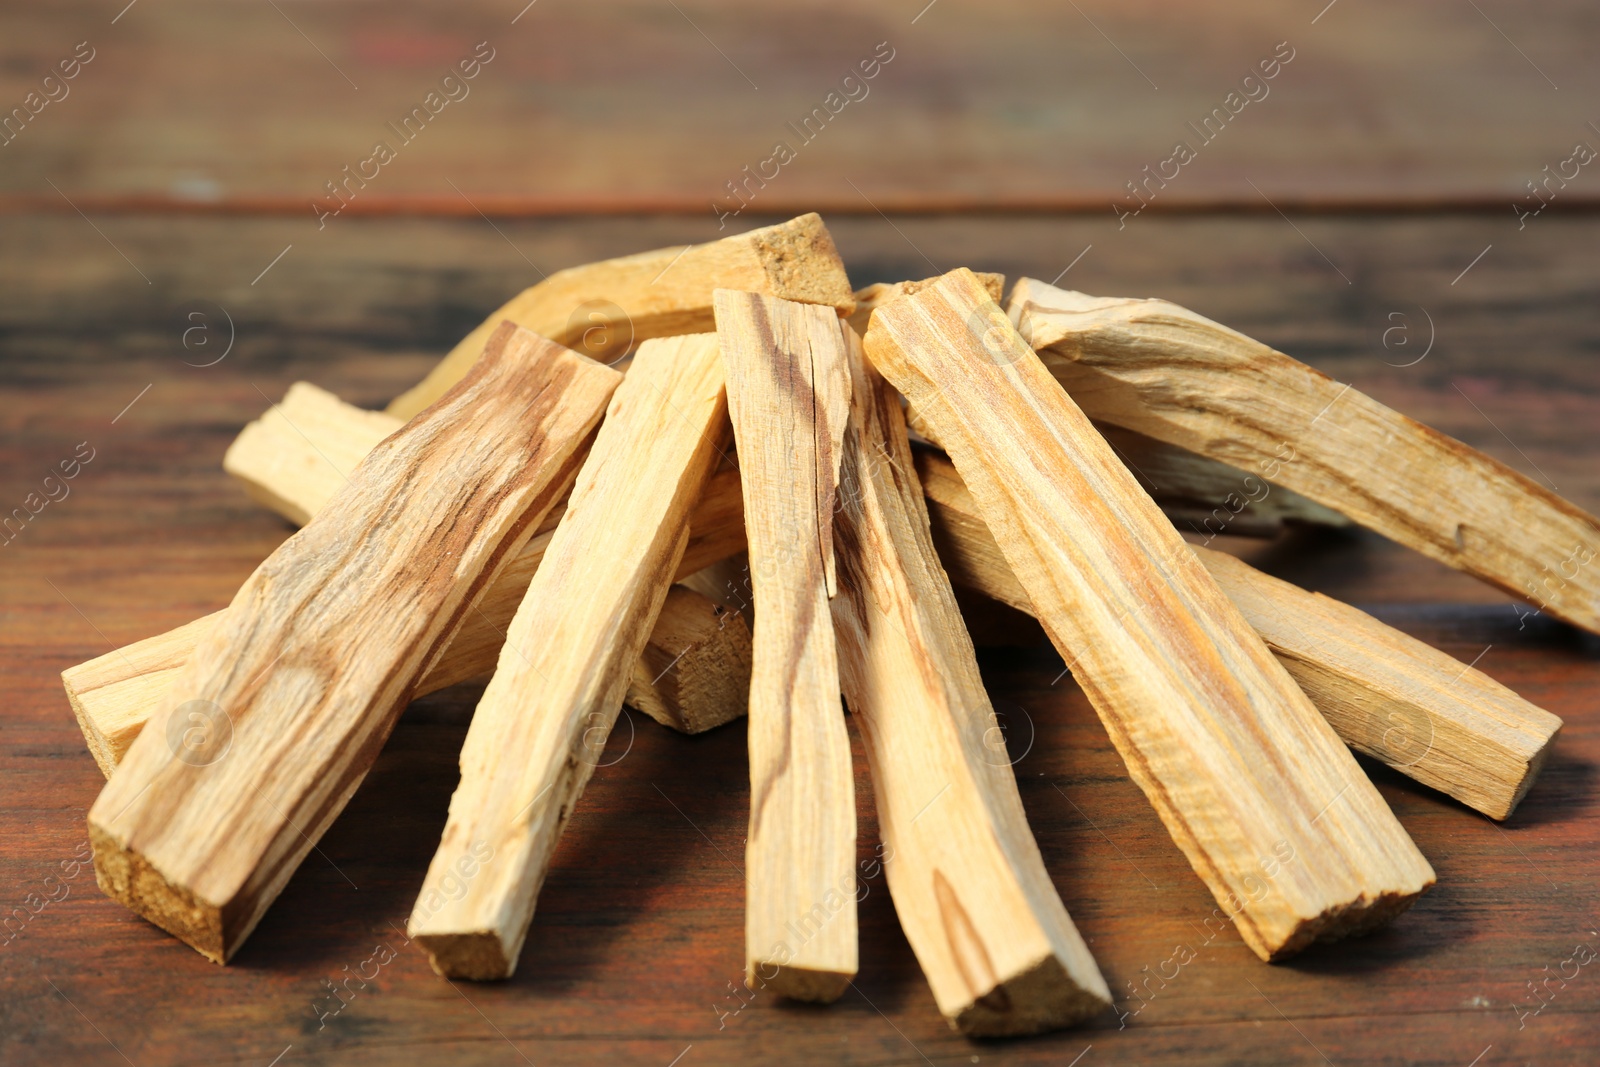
<point>1396,142</point>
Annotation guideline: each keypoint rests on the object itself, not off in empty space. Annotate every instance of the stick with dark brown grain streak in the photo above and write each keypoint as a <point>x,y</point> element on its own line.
<point>969,885</point>
<point>281,709</point>
<point>789,397</point>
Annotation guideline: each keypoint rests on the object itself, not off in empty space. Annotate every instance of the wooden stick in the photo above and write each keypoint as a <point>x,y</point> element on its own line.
<point>1255,787</point>
<point>789,396</point>
<point>280,460</point>
<point>600,309</point>
<point>1162,370</point>
<point>277,716</point>
<point>1386,694</point>
<point>969,885</point>
<point>303,450</point>
<point>538,731</point>
<point>694,674</point>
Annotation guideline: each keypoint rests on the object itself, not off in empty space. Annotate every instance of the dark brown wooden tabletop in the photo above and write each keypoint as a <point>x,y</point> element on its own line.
<point>164,277</point>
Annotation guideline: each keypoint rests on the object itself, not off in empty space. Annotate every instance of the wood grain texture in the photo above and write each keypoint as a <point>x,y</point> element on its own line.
<point>969,885</point>
<point>1386,694</point>
<point>293,695</point>
<point>789,400</point>
<point>1165,371</point>
<point>694,673</point>
<point>292,460</point>
<point>1182,482</point>
<point>541,726</point>
<point>1271,809</point>
<point>1425,714</point>
<point>1185,485</point>
<point>878,294</point>
<point>601,309</point>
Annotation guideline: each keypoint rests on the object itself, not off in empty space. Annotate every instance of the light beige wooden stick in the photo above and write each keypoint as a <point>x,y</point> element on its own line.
<point>1271,809</point>
<point>1394,698</point>
<point>969,885</point>
<point>1386,694</point>
<point>539,730</point>
<point>694,673</point>
<point>789,396</point>
<point>601,308</point>
<point>280,460</point>
<point>281,709</point>
<point>1163,370</point>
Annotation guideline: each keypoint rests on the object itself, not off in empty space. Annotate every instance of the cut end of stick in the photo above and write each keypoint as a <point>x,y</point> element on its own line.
<point>694,675</point>
<point>101,747</point>
<point>1336,924</point>
<point>797,983</point>
<point>797,256</point>
<point>1529,776</point>
<point>129,878</point>
<point>1042,997</point>
<point>479,956</point>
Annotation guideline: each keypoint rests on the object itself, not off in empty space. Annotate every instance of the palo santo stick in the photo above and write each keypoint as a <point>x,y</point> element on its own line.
<point>293,694</point>
<point>1162,370</point>
<point>969,885</point>
<point>114,694</point>
<point>789,397</point>
<point>694,673</point>
<point>302,450</point>
<point>538,731</point>
<point>1386,694</point>
<point>1271,809</point>
<point>600,308</point>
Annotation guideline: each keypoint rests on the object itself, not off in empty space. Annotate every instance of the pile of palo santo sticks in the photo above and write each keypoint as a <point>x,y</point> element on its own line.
<point>532,508</point>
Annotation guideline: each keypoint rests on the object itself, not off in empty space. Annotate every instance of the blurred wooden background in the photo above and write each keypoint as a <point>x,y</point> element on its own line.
<point>1370,214</point>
